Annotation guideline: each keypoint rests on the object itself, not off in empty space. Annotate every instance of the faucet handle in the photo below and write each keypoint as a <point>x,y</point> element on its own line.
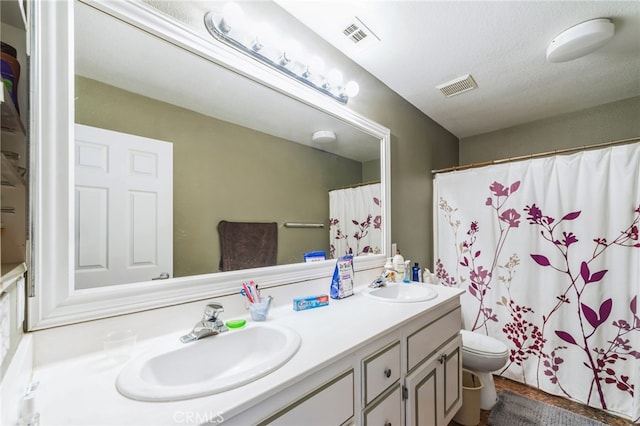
<point>212,310</point>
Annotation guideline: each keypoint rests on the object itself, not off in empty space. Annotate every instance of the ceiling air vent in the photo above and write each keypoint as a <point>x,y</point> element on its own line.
<point>357,31</point>
<point>457,86</point>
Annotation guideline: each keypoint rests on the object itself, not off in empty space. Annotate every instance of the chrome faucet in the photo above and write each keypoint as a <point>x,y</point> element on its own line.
<point>210,325</point>
<point>382,280</point>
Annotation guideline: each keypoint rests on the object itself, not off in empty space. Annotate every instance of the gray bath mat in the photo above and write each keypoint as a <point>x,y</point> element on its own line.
<point>516,410</point>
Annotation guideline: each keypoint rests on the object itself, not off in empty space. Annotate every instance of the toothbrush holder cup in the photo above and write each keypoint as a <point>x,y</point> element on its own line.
<point>260,311</point>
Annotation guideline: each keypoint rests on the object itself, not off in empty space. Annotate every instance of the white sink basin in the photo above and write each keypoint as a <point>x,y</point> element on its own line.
<point>207,366</point>
<point>402,293</point>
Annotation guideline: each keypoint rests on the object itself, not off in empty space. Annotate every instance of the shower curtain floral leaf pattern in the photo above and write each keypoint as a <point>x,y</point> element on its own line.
<point>601,361</point>
<point>469,258</point>
<point>578,324</point>
<point>355,221</point>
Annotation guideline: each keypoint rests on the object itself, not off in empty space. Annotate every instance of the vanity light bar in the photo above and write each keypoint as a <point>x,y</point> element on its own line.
<point>218,26</point>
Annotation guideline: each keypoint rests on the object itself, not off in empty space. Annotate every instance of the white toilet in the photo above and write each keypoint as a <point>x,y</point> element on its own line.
<point>483,355</point>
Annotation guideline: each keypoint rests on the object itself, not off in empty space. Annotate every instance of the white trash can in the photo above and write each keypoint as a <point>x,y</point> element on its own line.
<point>469,413</point>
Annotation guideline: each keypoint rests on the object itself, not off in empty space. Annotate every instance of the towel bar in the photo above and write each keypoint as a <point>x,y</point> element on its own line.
<point>302,225</point>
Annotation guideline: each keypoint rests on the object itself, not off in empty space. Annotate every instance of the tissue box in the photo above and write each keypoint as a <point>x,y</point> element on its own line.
<point>315,256</point>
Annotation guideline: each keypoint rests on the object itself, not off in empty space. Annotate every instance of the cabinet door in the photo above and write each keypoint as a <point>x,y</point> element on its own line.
<point>422,394</point>
<point>425,341</point>
<point>452,379</point>
<point>330,404</point>
<point>434,389</point>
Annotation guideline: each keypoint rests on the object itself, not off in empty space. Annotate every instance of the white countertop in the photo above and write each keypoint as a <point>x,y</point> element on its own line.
<point>82,391</point>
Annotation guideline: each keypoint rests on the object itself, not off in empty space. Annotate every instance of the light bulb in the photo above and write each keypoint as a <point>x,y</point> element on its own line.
<point>291,50</point>
<point>265,36</point>
<point>232,17</point>
<point>334,78</point>
<point>315,65</point>
<point>351,89</point>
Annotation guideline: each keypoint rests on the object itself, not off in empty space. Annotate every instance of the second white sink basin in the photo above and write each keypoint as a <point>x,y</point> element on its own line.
<point>208,366</point>
<point>403,293</point>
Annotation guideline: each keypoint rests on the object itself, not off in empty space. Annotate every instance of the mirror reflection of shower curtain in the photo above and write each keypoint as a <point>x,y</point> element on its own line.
<point>355,221</point>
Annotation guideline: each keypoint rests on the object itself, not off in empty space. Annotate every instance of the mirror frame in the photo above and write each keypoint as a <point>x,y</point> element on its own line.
<point>53,300</point>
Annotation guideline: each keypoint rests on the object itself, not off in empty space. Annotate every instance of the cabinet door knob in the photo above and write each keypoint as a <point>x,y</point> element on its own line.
<point>387,372</point>
<point>387,424</point>
<point>442,358</point>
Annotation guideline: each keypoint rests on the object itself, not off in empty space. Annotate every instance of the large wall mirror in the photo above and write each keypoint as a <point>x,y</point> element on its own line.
<point>231,140</point>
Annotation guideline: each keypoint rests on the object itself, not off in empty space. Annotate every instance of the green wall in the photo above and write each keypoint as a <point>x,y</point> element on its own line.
<point>605,123</point>
<point>418,145</point>
<point>225,172</point>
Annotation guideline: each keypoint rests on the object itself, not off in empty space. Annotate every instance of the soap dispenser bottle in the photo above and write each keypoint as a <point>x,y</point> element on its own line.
<point>389,272</point>
<point>407,272</point>
<point>398,266</point>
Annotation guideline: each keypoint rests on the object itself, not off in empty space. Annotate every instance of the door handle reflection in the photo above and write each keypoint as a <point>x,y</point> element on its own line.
<point>162,276</point>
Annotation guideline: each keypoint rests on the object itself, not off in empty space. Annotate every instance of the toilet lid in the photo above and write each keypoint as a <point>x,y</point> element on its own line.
<point>482,344</point>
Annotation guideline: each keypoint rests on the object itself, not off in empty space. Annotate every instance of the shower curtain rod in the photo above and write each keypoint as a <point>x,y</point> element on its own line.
<point>373,182</point>
<point>542,154</point>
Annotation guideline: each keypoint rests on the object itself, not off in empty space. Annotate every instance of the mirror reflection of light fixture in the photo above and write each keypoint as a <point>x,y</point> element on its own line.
<point>580,40</point>
<point>233,17</point>
<point>323,137</point>
<point>230,26</point>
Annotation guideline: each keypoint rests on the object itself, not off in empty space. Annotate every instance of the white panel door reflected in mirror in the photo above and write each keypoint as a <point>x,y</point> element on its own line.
<point>124,208</point>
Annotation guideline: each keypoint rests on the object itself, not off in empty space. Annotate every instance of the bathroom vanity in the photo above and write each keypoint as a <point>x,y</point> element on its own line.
<point>361,361</point>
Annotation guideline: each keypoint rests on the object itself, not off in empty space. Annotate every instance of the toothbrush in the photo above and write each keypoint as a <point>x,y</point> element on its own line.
<point>258,293</point>
<point>247,292</point>
<point>254,291</point>
<point>243,292</point>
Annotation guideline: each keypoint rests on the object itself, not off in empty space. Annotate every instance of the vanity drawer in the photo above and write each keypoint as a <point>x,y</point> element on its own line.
<point>329,404</point>
<point>424,341</point>
<point>381,370</point>
<point>387,411</point>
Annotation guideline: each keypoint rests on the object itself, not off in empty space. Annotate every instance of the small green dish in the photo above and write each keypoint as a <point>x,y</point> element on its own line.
<point>239,323</point>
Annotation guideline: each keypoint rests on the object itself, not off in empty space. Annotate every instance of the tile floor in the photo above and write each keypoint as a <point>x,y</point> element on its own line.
<point>530,392</point>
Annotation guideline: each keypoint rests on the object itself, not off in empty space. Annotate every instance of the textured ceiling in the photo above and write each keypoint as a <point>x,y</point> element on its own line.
<point>502,44</point>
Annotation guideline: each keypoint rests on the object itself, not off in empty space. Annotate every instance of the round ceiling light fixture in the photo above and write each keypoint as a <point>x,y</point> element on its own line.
<point>323,136</point>
<point>580,40</point>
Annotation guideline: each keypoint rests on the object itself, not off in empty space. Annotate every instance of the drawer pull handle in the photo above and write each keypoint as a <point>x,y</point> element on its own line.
<point>387,373</point>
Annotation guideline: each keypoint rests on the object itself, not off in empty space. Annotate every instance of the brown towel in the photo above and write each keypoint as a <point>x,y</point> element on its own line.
<point>246,245</point>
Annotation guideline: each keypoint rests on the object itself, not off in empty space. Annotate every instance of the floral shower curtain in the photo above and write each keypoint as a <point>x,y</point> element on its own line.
<point>355,220</point>
<point>548,251</point>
